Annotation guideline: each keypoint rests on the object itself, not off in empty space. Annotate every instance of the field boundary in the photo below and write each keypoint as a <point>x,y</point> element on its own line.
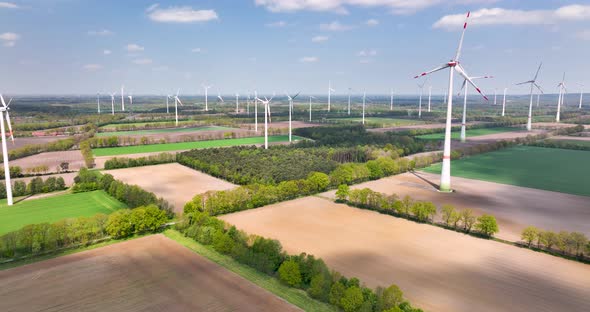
<point>296,297</point>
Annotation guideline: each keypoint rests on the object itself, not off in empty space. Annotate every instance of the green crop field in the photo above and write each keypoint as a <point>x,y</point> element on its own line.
<point>169,147</point>
<point>549,169</point>
<point>54,208</point>
<point>388,122</point>
<point>164,131</point>
<point>456,135</point>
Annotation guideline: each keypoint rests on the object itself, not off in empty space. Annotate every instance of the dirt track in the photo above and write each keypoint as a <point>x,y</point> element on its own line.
<point>174,182</point>
<point>152,273</point>
<point>438,270</point>
<point>514,207</point>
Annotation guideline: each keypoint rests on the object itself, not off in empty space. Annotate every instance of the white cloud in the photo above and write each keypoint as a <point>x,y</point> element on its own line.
<point>372,22</point>
<point>308,59</point>
<point>152,7</point>
<point>107,52</point>
<point>367,53</point>
<point>197,50</point>
<point>335,26</point>
<point>9,39</point>
<point>277,24</point>
<point>102,32</point>
<point>499,16</point>
<point>132,47</point>
<point>142,61</point>
<point>8,5</point>
<point>92,67</point>
<point>584,34</point>
<point>184,14</point>
<point>340,6</point>
<point>320,39</point>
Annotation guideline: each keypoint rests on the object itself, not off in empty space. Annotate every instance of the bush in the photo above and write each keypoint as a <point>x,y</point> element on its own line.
<point>487,225</point>
<point>289,273</point>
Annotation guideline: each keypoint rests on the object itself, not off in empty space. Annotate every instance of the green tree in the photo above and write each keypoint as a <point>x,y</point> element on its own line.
<point>577,241</point>
<point>342,192</point>
<point>468,219</point>
<point>352,299</point>
<point>336,293</point>
<point>319,181</point>
<point>319,287</point>
<point>391,297</point>
<point>119,224</point>
<point>290,274</point>
<point>561,241</point>
<point>449,214</point>
<point>487,225</point>
<point>550,238</point>
<point>530,234</point>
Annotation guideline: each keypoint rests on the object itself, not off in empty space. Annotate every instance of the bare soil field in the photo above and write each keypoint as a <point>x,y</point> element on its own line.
<point>285,124</point>
<point>22,141</point>
<point>68,177</point>
<point>152,273</point>
<point>51,160</point>
<point>438,270</point>
<point>174,182</point>
<point>514,207</point>
<point>504,136</point>
<point>423,126</point>
<point>99,161</point>
<point>196,135</point>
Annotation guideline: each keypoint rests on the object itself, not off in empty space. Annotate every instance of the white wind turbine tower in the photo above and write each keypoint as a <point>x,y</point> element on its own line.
<point>311,97</point>
<point>266,103</point>
<point>349,90</point>
<point>330,90</point>
<point>429,97</point>
<point>237,103</point>
<point>123,98</point>
<point>4,110</point>
<point>176,102</point>
<point>364,102</point>
<point>421,87</point>
<point>529,124</point>
<point>391,101</point>
<point>206,87</point>
<point>248,105</point>
<point>291,110</point>
<point>168,97</point>
<point>581,95</point>
<point>504,102</point>
<point>112,103</point>
<point>538,98</point>
<point>463,120</point>
<point>256,111</point>
<point>130,96</point>
<point>562,91</point>
<point>98,101</point>
<point>453,65</point>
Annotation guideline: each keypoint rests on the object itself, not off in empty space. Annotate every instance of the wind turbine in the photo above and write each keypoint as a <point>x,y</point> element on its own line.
<point>364,102</point>
<point>256,111</point>
<point>421,87</point>
<point>168,97</point>
<point>237,103</point>
<point>313,97</point>
<point>391,101</point>
<point>122,98</point>
<point>562,91</point>
<point>248,105</point>
<point>176,102</point>
<point>4,109</point>
<point>291,110</point>
<point>266,103</point>
<point>504,102</point>
<point>453,65</point>
<point>219,96</point>
<point>581,95</point>
<point>429,97</point>
<point>130,96</point>
<point>112,103</point>
<point>495,96</point>
<point>533,82</point>
<point>463,121</point>
<point>538,98</point>
<point>349,90</point>
<point>98,101</point>
<point>330,90</point>
<point>206,87</point>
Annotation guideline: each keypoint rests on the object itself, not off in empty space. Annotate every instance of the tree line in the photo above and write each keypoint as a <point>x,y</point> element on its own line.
<point>574,244</point>
<point>35,186</point>
<point>125,162</point>
<point>41,238</point>
<point>421,211</point>
<point>299,271</point>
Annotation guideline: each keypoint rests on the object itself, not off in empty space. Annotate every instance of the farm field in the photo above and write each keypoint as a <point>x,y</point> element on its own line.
<point>385,122</point>
<point>514,207</point>
<point>144,123</point>
<point>549,169</point>
<point>422,126</point>
<point>161,131</point>
<point>174,182</point>
<point>51,160</point>
<point>456,135</point>
<point>55,208</point>
<point>168,147</point>
<point>22,141</point>
<point>579,141</point>
<point>152,273</point>
<point>438,270</point>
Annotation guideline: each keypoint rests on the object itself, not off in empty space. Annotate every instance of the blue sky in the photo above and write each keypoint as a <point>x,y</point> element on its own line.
<point>81,47</point>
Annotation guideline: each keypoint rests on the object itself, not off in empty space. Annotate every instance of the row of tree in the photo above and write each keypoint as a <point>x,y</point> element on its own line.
<point>570,144</point>
<point>133,139</point>
<point>33,149</point>
<point>124,162</point>
<point>35,186</point>
<point>35,239</point>
<point>300,271</point>
<point>421,211</point>
<point>568,243</point>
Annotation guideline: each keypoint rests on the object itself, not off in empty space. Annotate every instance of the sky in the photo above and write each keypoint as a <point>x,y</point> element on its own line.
<point>237,46</point>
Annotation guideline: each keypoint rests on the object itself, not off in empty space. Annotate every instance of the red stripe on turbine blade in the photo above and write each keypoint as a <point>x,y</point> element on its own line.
<point>468,13</point>
<point>465,25</point>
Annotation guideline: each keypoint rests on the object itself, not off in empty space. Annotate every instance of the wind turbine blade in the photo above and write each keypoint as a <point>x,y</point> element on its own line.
<point>177,92</point>
<point>2,98</point>
<point>179,101</point>
<point>9,126</point>
<point>518,84</point>
<point>296,95</point>
<point>462,72</point>
<point>537,73</point>
<point>432,71</point>
<point>9,101</point>
<point>538,87</point>
<point>266,99</point>
<point>461,40</point>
